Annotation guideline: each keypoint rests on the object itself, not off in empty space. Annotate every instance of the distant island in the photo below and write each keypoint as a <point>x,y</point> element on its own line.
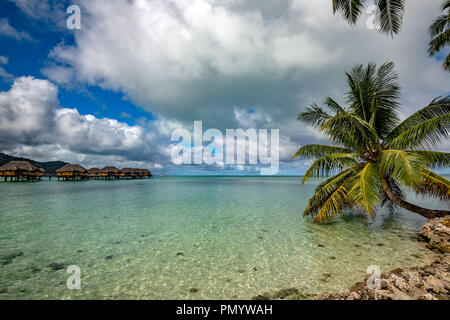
<point>50,167</point>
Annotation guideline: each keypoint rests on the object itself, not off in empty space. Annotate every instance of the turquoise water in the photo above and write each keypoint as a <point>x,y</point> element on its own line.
<point>188,238</point>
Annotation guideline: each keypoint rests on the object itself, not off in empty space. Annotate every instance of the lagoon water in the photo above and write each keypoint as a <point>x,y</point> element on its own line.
<point>188,238</point>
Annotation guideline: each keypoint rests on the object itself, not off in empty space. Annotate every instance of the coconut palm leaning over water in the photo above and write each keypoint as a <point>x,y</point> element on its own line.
<point>375,155</point>
<point>440,33</point>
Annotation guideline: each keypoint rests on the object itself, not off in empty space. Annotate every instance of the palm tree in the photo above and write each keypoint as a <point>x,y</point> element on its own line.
<point>389,17</point>
<point>440,34</point>
<point>374,153</point>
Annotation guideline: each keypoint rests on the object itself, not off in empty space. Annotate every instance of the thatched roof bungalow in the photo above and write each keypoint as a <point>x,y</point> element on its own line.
<point>128,173</point>
<point>18,170</point>
<point>72,172</point>
<point>110,172</point>
<point>41,173</point>
<point>144,173</point>
<point>94,172</point>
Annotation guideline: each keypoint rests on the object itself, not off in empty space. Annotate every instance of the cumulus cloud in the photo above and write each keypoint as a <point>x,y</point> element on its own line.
<point>230,63</point>
<point>178,57</point>
<point>88,134</point>
<point>205,59</point>
<point>27,111</point>
<point>32,122</point>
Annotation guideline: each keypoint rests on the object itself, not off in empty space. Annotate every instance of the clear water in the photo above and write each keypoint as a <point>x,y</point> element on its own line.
<point>227,237</point>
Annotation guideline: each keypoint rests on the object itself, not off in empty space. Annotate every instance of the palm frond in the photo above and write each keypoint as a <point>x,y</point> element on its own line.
<point>434,185</point>
<point>350,9</point>
<point>330,163</point>
<point>333,105</point>
<point>426,134</point>
<point>314,116</point>
<point>446,5</point>
<point>391,15</point>
<point>439,42</point>
<point>439,25</point>
<point>337,202</point>
<point>365,191</point>
<point>361,82</point>
<point>315,151</point>
<point>403,167</point>
<point>384,104</point>
<point>440,34</point>
<point>324,190</point>
<point>437,108</point>
<point>350,130</point>
<point>446,64</point>
<point>434,159</point>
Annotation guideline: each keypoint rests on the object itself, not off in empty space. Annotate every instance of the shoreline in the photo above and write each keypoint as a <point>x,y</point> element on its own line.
<point>431,282</point>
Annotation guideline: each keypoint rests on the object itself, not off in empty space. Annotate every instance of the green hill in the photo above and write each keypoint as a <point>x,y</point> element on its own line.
<point>50,167</point>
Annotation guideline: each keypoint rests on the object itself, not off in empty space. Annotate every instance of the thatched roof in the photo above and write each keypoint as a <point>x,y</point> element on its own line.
<point>18,165</point>
<point>94,170</point>
<point>42,170</point>
<point>128,170</point>
<point>110,170</point>
<point>143,171</point>
<point>72,168</point>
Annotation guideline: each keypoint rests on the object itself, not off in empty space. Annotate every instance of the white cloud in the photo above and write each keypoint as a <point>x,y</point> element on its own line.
<point>87,133</point>
<point>250,118</point>
<point>125,115</point>
<point>179,55</point>
<point>205,59</point>
<point>4,60</point>
<point>9,31</point>
<point>59,74</point>
<point>213,60</point>
<point>5,75</point>
<point>32,122</point>
<point>27,111</point>
<point>52,11</point>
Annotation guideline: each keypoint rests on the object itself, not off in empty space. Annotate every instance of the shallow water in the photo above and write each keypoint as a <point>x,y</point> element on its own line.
<point>188,238</point>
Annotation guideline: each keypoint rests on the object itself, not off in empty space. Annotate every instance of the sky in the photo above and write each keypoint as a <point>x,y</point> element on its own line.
<point>114,91</point>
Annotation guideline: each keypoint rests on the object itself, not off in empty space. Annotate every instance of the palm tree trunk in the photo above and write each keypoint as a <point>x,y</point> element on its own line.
<point>427,213</point>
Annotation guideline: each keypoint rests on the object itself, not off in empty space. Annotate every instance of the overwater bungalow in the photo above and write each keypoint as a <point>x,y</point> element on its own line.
<point>110,173</point>
<point>72,172</point>
<point>144,173</point>
<point>94,173</point>
<point>19,171</point>
<point>41,173</point>
<point>128,173</point>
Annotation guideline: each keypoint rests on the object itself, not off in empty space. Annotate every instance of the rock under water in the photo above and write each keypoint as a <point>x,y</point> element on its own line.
<point>431,282</point>
<point>428,283</point>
